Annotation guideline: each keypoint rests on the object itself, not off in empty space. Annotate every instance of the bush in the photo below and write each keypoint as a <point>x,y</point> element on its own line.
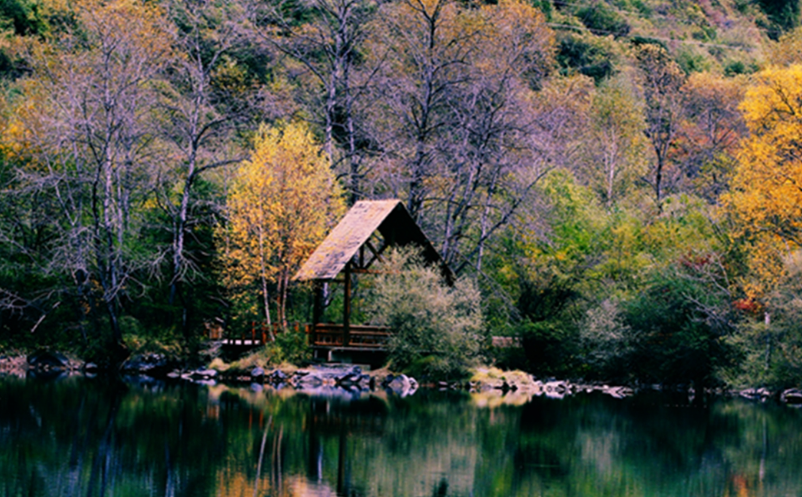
<point>292,347</point>
<point>586,55</point>
<point>607,341</point>
<point>600,19</point>
<point>682,319</point>
<point>437,328</point>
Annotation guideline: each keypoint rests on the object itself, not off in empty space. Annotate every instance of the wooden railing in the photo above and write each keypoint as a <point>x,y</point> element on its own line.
<point>358,336</point>
<point>259,334</point>
<point>320,335</point>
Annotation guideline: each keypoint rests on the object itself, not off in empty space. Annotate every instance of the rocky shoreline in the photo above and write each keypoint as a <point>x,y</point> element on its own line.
<point>348,378</point>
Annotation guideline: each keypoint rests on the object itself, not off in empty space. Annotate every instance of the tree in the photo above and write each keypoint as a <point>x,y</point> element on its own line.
<point>325,37</point>
<point>281,204</point>
<point>455,114</point>
<point>84,130</point>
<point>197,119</point>
<point>615,144</point>
<point>709,132</point>
<point>661,79</point>
<point>765,200</point>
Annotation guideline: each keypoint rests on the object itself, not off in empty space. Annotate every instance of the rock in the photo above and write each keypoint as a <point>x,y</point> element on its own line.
<point>90,366</point>
<point>618,392</point>
<point>308,380</point>
<point>755,393</point>
<point>256,387</point>
<point>556,389</point>
<point>351,379</point>
<point>46,360</point>
<point>399,384</point>
<point>203,374</point>
<point>278,376</point>
<point>150,364</point>
<point>792,396</point>
<point>257,373</point>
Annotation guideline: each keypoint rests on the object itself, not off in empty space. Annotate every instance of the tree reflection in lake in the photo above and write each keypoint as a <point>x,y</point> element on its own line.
<point>90,437</point>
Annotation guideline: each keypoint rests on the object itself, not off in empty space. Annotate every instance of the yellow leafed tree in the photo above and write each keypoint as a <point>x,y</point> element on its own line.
<point>281,204</point>
<point>765,201</point>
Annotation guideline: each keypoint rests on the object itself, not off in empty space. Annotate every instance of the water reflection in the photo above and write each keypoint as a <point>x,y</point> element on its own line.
<point>77,436</point>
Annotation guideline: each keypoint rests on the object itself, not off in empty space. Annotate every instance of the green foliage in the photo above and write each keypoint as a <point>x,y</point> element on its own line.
<point>681,319</point>
<point>588,55</point>
<point>693,60</point>
<point>290,346</point>
<point>783,15</point>
<point>550,347</point>
<point>437,328</point>
<point>608,342</point>
<point>21,16</point>
<point>770,342</point>
<point>600,19</point>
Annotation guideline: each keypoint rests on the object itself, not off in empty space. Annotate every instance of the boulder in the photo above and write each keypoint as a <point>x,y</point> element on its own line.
<point>792,396</point>
<point>556,389</point>
<point>400,385</point>
<point>307,380</point>
<point>257,373</point>
<point>46,360</point>
<point>148,363</point>
<point>618,392</point>
<point>278,376</point>
<point>755,393</point>
<point>202,374</point>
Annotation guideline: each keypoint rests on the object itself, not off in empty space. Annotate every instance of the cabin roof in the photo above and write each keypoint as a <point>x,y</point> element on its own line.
<point>389,217</point>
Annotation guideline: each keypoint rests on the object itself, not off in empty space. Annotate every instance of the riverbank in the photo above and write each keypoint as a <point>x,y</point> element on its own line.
<point>490,381</point>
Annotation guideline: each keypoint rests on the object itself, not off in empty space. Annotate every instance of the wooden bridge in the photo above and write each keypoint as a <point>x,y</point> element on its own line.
<point>322,336</point>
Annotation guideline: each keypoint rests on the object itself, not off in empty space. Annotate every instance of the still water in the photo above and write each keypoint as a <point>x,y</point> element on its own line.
<point>84,437</point>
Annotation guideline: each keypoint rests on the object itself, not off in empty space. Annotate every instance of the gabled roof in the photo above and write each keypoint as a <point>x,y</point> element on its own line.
<point>389,217</point>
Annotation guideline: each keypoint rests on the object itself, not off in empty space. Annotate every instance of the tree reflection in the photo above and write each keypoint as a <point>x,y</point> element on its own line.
<point>78,437</point>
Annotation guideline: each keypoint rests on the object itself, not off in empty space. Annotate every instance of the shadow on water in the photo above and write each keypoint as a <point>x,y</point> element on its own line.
<point>82,437</point>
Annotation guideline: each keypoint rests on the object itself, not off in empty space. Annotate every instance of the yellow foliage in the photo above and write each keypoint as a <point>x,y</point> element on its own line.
<point>765,202</point>
<point>281,204</point>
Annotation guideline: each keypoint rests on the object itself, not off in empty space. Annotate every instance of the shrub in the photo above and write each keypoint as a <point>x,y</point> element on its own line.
<point>607,341</point>
<point>437,328</point>
<point>682,319</point>
<point>600,19</point>
<point>292,347</point>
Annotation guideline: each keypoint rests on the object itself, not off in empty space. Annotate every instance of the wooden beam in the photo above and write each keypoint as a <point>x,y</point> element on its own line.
<point>377,254</point>
<point>372,271</point>
<point>317,309</point>
<point>347,305</point>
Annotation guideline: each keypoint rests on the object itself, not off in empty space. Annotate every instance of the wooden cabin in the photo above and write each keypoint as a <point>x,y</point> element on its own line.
<point>351,249</point>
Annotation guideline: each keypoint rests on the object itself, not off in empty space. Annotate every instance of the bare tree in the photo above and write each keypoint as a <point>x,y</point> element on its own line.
<point>200,115</point>
<point>325,55</point>
<point>662,79</point>
<point>90,138</point>
<point>454,114</point>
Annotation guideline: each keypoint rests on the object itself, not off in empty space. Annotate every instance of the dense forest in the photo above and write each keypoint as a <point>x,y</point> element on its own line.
<point>621,180</point>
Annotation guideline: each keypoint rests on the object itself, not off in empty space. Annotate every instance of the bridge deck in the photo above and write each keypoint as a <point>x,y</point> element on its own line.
<point>324,336</point>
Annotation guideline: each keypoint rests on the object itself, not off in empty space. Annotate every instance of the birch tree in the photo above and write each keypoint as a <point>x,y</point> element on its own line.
<point>281,204</point>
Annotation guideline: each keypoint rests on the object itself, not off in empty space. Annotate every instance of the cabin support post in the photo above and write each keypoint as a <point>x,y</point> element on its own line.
<point>319,289</point>
<point>347,306</point>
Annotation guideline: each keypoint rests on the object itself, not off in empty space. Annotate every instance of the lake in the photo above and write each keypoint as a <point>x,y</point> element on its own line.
<point>94,437</point>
